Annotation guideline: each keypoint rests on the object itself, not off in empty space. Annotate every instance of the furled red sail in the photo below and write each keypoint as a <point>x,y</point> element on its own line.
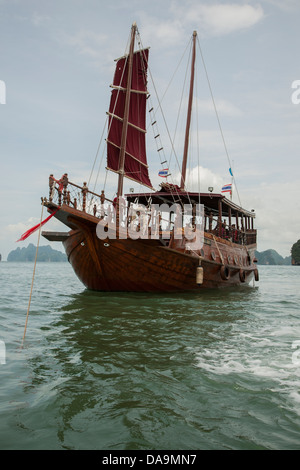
<point>135,165</point>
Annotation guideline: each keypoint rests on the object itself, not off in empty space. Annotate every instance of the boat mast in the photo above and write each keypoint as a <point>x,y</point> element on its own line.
<point>189,113</point>
<point>126,113</point>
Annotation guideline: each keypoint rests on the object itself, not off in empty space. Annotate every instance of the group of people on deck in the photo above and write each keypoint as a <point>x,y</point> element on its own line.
<point>226,231</point>
<point>230,233</point>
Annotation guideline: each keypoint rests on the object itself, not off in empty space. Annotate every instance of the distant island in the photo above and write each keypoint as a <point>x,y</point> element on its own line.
<point>295,251</point>
<point>272,258</point>
<point>45,254</point>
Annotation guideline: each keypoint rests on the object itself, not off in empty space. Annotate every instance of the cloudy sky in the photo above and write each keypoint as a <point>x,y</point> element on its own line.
<point>57,62</point>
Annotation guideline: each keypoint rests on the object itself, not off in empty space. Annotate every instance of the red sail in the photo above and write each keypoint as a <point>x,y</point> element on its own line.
<point>135,166</point>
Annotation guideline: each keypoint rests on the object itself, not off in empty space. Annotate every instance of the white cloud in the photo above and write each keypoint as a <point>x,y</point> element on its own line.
<point>167,32</point>
<point>14,231</point>
<point>40,20</point>
<point>224,108</point>
<point>207,179</point>
<point>220,19</point>
<point>11,233</point>
<point>86,43</point>
<point>217,19</point>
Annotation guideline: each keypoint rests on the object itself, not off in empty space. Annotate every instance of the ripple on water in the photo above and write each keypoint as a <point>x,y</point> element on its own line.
<point>213,370</point>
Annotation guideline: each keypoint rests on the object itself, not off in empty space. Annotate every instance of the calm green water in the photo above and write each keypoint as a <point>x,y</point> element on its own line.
<point>216,370</point>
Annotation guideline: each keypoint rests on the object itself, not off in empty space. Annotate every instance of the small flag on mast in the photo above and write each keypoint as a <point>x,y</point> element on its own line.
<point>163,173</point>
<point>227,188</point>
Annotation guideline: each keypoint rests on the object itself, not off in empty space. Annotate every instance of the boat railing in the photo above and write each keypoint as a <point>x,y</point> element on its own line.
<point>251,237</point>
<point>78,197</point>
<point>81,198</point>
<point>240,236</point>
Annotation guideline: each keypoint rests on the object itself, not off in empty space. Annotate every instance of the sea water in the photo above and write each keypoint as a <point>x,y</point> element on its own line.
<point>216,369</point>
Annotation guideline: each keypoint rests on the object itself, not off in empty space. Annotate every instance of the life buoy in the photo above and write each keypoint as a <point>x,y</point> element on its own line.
<point>242,275</point>
<point>224,273</point>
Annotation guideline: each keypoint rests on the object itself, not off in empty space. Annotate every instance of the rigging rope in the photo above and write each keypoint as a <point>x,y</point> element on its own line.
<point>97,153</point>
<point>165,123</point>
<point>197,127</point>
<point>181,101</point>
<point>164,119</point>
<point>36,253</point>
<point>220,127</point>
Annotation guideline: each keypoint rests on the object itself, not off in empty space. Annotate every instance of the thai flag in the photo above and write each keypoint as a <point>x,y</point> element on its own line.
<point>163,173</point>
<point>226,188</point>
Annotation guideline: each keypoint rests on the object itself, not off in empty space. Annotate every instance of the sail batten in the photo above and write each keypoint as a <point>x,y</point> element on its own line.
<point>135,164</point>
<point>130,177</point>
<point>115,116</point>
<point>131,91</point>
<point>129,155</point>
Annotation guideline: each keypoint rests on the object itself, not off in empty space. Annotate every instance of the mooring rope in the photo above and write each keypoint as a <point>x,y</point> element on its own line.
<point>32,281</point>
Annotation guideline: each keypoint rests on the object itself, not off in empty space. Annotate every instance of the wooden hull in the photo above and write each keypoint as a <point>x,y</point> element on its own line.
<point>144,266</point>
<point>148,265</point>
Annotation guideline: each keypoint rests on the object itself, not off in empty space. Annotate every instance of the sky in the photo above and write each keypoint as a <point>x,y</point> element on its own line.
<point>56,65</point>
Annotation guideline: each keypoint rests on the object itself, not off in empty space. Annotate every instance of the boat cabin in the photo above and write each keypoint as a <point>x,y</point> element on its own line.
<point>222,217</point>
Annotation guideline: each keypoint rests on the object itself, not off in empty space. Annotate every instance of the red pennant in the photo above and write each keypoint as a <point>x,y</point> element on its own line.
<point>33,229</point>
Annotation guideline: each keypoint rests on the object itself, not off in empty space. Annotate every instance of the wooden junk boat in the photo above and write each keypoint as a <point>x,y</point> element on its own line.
<point>165,258</point>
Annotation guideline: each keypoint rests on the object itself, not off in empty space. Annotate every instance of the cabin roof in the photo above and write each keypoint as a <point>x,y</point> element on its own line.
<point>210,201</point>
